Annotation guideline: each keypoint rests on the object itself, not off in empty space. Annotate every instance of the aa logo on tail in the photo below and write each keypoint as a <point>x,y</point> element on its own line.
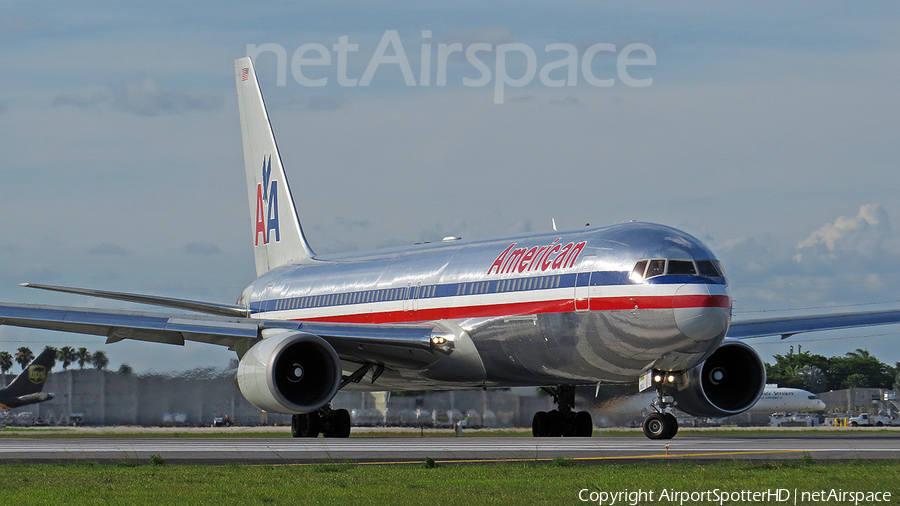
<point>37,374</point>
<point>267,206</point>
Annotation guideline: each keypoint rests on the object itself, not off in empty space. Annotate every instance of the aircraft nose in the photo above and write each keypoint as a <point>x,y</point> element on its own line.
<point>702,312</point>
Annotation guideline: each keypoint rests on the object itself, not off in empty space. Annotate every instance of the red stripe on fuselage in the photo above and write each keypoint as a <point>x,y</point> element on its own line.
<point>529,308</point>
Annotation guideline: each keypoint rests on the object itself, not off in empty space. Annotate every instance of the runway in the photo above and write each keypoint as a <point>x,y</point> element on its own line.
<point>394,450</point>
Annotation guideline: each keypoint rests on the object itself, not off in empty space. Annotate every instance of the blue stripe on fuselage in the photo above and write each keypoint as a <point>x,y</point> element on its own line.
<point>600,278</point>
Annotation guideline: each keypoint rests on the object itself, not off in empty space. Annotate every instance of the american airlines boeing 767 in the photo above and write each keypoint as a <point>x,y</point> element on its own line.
<point>633,302</point>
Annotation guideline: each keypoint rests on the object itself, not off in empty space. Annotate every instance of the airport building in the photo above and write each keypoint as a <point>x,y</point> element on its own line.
<point>101,398</point>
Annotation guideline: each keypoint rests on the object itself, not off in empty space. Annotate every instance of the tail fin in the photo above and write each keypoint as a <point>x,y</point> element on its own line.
<point>277,236</point>
<point>32,379</point>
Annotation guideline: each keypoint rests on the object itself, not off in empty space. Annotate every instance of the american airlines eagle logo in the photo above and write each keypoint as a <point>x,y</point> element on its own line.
<point>267,205</point>
<point>37,374</point>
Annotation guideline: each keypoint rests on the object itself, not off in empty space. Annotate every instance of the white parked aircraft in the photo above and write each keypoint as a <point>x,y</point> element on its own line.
<point>787,400</point>
<point>552,309</point>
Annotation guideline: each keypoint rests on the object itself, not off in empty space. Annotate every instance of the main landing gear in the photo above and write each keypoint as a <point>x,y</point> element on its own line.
<point>329,422</point>
<point>661,424</point>
<point>563,421</point>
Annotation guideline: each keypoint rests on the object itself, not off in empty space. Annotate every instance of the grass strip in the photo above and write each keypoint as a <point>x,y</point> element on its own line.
<point>554,483</point>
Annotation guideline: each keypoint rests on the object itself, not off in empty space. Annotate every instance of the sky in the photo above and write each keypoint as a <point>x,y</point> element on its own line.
<point>767,130</point>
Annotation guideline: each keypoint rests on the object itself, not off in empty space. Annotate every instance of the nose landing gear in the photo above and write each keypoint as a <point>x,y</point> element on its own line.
<point>661,424</point>
<point>563,421</point>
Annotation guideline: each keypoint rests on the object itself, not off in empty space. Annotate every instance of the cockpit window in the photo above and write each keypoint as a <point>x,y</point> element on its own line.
<point>656,268</point>
<point>648,268</point>
<point>681,268</point>
<point>637,275</point>
<point>720,268</point>
<point>707,268</point>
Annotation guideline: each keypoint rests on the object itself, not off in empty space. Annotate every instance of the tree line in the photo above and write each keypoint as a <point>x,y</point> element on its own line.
<point>66,355</point>
<point>817,373</point>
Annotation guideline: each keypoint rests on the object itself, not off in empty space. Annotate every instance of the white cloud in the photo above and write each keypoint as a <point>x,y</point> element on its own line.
<point>866,236</point>
<point>144,98</point>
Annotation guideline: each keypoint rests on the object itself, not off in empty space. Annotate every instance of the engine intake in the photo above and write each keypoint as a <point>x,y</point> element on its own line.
<point>289,372</point>
<point>729,382</point>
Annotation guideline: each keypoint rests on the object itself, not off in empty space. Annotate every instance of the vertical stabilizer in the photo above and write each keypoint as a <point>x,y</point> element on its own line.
<point>32,379</point>
<point>277,236</point>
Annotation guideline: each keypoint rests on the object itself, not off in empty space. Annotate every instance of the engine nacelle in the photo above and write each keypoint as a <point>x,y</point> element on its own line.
<point>289,372</point>
<point>729,382</point>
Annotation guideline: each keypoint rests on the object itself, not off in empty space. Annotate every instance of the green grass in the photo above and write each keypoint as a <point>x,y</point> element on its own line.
<point>554,483</point>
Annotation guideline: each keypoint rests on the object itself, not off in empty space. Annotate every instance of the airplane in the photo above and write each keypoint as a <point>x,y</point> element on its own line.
<point>789,400</point>
<point>555,309</point>
<point>26,387</point>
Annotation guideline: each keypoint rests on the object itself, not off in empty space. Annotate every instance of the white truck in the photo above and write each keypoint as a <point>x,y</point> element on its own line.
<point>866,420</point>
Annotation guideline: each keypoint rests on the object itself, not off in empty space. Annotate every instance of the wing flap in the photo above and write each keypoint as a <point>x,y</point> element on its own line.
<point>786,326</point>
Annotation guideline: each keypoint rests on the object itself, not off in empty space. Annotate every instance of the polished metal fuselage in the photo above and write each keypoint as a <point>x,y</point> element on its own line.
<point>540,309</point>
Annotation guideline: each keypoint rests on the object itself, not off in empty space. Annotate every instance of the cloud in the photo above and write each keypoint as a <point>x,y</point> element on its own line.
<point>146,98</point>
<point>143,98</point>
<point>201,248</point>
<point>108,248</point>
<point>866,236</point>
<point>93,100</point>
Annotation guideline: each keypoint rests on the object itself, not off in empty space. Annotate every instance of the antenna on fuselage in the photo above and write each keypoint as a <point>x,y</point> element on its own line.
<point>553,221</point>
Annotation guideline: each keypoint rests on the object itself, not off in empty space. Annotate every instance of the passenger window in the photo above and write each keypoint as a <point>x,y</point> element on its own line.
<point>707,268</point>
<point>681,268</point>
<point>637,274</point>
<point>655,268</point>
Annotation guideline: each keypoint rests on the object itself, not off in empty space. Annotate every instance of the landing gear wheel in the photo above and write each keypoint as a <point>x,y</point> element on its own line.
<point>306,425</point>
<point>658,426</point>
<point>557,422</point>
<point>540,424</point>
<point>339,421</point>
<point>584,425</point>
<point>673,425</point>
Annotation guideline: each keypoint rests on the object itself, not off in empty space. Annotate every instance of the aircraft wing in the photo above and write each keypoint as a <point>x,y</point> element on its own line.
<point>400,345</point>
<point>786,326</point>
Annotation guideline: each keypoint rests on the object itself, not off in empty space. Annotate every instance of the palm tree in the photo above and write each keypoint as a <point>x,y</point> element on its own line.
<point>24,356</point>
<point>83,356</point>
<point>66,355</point>
<point>100,360</point>
<point>6,363</point>
<point>859,353</point>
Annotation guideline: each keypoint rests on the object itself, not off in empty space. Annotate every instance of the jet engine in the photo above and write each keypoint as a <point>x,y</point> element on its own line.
<point>729,382</point>
<point>289,372</point>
